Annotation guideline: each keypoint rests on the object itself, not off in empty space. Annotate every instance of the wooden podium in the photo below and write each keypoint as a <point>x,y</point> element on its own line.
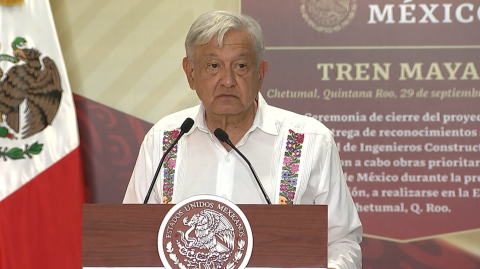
<point>126,235</point>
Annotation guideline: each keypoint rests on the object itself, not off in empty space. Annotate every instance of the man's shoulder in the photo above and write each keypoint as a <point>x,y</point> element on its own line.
<point>297,122</point>
<point>174,121</point>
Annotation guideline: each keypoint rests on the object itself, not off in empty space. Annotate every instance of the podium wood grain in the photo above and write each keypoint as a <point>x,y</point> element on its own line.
<point>126,235</point>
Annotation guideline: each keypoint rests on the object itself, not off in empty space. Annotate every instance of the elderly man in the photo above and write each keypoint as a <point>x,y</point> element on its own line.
<point>295,156</point>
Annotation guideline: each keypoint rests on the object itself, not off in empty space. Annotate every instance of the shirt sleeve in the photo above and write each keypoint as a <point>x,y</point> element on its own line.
<point>344,226</point>
<point>142,176</point>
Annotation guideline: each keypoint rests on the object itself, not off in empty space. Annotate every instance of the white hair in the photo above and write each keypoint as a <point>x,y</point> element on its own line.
<point>218,23</point>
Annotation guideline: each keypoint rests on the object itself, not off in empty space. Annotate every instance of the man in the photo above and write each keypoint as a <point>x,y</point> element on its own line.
<point>295,156</point>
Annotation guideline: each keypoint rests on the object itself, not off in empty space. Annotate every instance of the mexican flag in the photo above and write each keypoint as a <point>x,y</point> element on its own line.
<point>41,184</point>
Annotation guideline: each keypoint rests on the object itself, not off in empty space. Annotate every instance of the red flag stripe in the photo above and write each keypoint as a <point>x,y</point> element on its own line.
<point>41,223</point>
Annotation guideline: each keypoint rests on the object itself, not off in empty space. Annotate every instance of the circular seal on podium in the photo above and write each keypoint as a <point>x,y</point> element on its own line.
<point>207,232</point>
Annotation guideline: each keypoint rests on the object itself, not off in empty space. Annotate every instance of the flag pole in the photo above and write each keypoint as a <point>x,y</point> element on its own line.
<point>11,2</point>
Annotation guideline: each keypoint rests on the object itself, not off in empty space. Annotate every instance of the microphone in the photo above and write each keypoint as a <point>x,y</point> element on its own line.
<point>223,136</point>
<point>186,126</point>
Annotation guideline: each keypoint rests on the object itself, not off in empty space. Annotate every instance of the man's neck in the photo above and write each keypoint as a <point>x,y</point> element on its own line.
<point>236,126</point>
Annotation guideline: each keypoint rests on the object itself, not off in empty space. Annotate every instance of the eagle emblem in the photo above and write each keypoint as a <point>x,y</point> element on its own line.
<point>209,225</point>
<point>35,82</point>
<point>30,95</point>
<point>205,234</point>
<point>213,233</point>
<point>328,15</point>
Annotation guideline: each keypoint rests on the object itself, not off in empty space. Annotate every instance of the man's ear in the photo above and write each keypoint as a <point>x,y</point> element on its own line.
<point>188,69</point>
<point>262,71</point>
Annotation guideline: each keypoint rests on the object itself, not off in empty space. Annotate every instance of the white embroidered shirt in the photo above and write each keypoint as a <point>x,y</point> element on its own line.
<point>295,157</point>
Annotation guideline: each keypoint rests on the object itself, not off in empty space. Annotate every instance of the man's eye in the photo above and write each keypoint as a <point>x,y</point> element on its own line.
<point>213,65</point>
<point>242,65</point>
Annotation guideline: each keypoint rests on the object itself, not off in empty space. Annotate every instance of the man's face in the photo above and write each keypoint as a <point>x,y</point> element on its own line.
<point>226,79</point>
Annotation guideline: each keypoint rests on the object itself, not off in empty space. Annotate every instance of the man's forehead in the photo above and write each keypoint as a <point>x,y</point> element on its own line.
<point>229,51</point>
<point>239,54</point>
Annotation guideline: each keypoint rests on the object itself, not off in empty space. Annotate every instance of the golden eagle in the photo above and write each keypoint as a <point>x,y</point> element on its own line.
<point>41,88</point>
<point>209,225</point>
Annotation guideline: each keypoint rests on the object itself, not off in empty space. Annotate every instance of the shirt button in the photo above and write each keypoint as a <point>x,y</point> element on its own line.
<point>227,159</point>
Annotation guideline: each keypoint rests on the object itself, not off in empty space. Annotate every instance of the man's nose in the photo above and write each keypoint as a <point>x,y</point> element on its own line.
<point>228,77</point>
